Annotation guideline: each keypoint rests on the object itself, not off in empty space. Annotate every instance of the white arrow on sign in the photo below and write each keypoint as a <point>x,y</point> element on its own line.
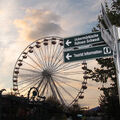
<point>68,42</point>
<point>68,56</point>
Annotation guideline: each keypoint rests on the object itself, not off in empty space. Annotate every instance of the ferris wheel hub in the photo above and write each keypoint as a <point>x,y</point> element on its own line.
<point>46,73</point>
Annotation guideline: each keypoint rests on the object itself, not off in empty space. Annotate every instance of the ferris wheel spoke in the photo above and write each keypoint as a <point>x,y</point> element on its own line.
<point>55,65</point>
<point>45,56</point>
<point>25,82</point>
<point>64,90</point>
<point>33,83</point>
<point>28,75</point>
<point>38,87</point>
<point>53,50</point>
<point>68,67</point>
<point>43,53</point>
<point>25,90</point>
<point>48,55</point>
<point>31,65</point>
<point>42,93</point>
<point>53,53</point>
<point>58,79</point>
<point>58,92</point>
<point>70,73</point>
<point>38,58</point>
<point>71,66</point>
<point>58,62</point>
<point>35,62</point>
<point>41,85</point>
<point>58,55</point>
<point>66,78</point>
<point>61,66</point>
<point>28,80</point>
<point>47,89</point>
<point>50,51</point>
<point>34,71</point>
<point>52,89</point>
<point>42,57</point>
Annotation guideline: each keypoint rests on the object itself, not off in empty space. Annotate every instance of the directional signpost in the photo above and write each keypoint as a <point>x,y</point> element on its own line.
<point>86,46</point>
<point>90,53</point>
<point>84,40</point>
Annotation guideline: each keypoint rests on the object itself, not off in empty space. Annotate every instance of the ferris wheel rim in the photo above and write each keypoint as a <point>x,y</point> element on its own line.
<point>42,42</point>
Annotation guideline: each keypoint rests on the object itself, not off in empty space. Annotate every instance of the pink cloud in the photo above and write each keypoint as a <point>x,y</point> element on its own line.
<point>37,23</point>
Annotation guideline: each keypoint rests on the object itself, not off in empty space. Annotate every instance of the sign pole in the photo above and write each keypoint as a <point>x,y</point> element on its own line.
<point>117,59</point>
<point>112,40</point>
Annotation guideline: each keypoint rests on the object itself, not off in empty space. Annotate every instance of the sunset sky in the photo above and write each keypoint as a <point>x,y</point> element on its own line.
<point>23,21</point>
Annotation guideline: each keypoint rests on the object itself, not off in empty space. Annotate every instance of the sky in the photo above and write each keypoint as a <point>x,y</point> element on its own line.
<point>23,21</point>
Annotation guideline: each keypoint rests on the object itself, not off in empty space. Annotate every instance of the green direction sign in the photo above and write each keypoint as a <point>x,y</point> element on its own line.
<point>83,40</point>
<point>90,53</point>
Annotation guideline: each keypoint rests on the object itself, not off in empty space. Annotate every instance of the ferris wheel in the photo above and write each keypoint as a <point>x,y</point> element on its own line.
<point>41,66</point>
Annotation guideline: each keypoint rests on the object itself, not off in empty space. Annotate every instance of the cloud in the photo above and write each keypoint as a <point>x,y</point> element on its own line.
<point>37,23</point>
<point>1,11</point>
<point>79,17</point>
<point>8,58</point>
<point>50,17</point>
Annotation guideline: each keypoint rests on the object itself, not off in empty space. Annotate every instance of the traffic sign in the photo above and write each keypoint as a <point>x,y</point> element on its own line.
<point>89,39</point>
<point>90,53</point>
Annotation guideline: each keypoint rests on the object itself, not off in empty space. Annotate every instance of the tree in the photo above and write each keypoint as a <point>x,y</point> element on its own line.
<point>106,71</point>
<point>74,110</point>
<point>56,110</point>
<point>113,14</point>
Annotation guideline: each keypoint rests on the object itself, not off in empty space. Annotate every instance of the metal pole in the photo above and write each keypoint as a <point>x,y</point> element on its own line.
<point>117,59</point>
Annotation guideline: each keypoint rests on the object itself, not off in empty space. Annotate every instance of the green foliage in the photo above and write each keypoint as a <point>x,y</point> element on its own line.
<point>109,102</point>
<point>105,71</point>
<point>113,14</point>
<point>75,108</point>
<point>53,102</point>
